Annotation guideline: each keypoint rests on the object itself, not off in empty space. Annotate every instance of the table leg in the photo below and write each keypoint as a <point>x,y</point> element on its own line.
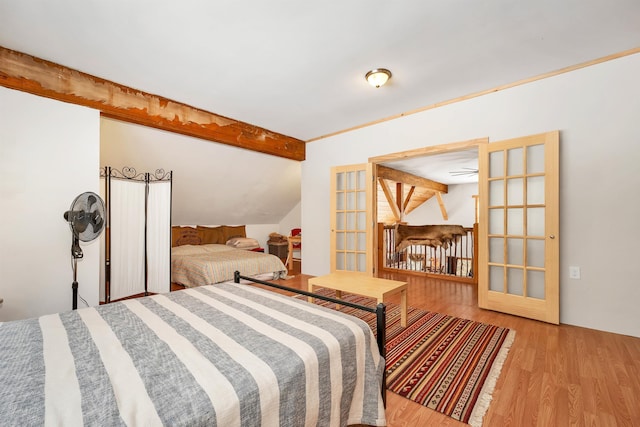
<point>403,308</point>
<point>338,296</point>
<point>310,289</point>
<point>289,254</point>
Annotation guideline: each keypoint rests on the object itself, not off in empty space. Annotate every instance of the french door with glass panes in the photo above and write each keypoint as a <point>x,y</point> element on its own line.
<point>519,231</point>
<point>351,218</point>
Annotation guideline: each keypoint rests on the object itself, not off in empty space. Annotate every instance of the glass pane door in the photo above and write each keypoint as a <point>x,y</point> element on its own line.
<point>519,240</point>
<point>351,212</point>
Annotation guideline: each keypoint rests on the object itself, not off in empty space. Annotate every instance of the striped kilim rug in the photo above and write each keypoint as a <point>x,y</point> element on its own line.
<point>445,363</point>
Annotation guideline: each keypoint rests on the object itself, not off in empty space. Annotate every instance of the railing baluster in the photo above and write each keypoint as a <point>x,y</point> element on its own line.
<point>454,261</point>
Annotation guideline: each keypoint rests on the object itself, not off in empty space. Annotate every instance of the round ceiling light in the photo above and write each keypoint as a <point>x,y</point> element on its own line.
<point>378,76</point>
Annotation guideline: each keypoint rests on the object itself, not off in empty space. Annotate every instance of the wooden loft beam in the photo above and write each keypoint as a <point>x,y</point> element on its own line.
<point>397,215</point>
<point>40,77</point>
<point>408,198</point>
<point>407,178</point>
<point>399,192</point>
<point>443,209</point>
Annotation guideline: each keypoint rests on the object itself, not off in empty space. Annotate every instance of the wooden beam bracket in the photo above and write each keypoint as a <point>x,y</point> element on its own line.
<point>397,216</point>
<point>443,209</point>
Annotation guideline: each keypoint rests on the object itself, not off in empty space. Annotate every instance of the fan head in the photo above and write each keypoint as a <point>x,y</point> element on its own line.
<point>86,216</point>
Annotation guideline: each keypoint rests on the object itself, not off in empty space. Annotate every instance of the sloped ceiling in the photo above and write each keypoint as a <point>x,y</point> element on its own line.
<point>212,184</point>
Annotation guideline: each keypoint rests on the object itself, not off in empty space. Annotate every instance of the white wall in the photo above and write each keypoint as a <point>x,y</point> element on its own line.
<point>291,220</point>
<point>597,110</point>
<point>459,203</point>
<point>260,232</point>
<point>49,154</point>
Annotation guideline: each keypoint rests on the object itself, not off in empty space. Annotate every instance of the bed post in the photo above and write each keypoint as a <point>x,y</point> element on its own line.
<point>381,334</point>
<point>236,277</point>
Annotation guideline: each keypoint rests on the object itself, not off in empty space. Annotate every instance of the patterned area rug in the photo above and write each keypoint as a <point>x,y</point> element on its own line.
<point>445,363</point>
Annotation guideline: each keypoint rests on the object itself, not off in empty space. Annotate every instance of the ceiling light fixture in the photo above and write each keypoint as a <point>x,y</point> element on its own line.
<point>378,77</point>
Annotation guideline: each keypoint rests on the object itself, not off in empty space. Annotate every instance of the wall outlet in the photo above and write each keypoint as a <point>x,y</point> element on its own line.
<point>574,272</point>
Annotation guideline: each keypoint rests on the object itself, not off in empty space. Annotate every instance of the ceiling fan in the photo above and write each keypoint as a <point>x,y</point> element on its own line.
<point>464,172</point>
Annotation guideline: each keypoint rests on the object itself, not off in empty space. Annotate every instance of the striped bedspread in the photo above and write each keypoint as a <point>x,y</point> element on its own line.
<point>200,265</point>
<point>223,355</point>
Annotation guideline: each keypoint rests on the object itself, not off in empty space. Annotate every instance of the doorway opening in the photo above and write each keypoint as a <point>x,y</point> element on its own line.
<point>426,210</point>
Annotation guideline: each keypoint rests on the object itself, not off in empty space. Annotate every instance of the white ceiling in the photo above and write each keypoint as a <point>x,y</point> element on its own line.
<point>448,168</point>
<point>297,67</point>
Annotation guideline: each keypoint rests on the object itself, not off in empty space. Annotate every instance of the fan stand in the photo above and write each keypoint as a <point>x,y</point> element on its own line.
<point>76,253</point>
<point>74,285</point>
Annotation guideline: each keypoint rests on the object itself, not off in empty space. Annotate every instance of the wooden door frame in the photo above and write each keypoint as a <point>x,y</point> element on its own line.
<point>409,154</point>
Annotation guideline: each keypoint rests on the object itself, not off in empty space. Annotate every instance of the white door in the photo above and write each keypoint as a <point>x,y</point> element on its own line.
<point>519,231</point>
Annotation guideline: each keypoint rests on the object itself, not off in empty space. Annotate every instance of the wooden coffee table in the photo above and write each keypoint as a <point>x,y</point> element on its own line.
<point>360,284</point>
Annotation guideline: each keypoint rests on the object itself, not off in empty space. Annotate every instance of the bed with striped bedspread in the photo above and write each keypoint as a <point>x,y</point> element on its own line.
<point>225,355</point>
<point>198,265</point>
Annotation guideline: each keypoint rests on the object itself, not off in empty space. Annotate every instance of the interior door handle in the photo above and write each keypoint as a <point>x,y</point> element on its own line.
<point>552,236</point>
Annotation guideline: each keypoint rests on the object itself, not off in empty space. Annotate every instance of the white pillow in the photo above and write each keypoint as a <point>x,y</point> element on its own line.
<point>243,243</point>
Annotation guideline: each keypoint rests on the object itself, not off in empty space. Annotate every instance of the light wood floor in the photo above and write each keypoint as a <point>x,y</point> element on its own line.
<point>554,375</point>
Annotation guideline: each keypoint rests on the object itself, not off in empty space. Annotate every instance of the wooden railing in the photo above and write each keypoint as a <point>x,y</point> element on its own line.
<point>457,262</point>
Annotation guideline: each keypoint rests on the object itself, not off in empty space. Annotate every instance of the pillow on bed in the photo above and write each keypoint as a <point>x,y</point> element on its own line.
<point>230,231</point>
<point>243,243</point>
<point>211,235</point>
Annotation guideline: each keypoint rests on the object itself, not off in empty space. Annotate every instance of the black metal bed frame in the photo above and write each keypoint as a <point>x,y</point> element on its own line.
<point>380,311</point>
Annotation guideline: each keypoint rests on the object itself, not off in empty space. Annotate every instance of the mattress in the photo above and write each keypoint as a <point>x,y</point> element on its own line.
<point>198,265</point>
<point>223,355</point>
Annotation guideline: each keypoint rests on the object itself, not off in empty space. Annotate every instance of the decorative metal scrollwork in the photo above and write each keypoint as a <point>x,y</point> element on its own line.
<point>130,173</point>
<point>160,175</point>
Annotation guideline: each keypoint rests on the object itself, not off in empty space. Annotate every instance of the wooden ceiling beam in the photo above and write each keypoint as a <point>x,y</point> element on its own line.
<point>407,178</point>
<point>408,198</point>
<point>44,78</point>
<point>397,215</point>
<point>399,192</point>
<point>443,209</point>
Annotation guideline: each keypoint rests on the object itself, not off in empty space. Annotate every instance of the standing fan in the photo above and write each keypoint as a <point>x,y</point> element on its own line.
<point>86,219</point>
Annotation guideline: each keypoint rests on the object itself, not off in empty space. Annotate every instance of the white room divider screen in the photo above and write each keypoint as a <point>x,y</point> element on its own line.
<point>137,249</point>
<point>159,242</point>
